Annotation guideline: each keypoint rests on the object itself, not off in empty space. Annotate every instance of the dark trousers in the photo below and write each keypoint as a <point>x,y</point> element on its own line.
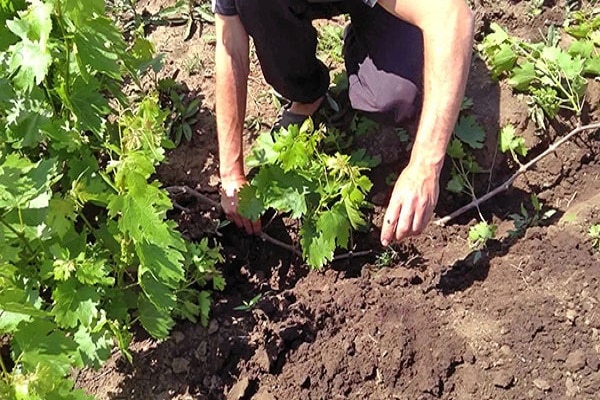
<point>383,55</point>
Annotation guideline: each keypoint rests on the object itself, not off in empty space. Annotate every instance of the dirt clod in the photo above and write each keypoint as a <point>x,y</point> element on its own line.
<point>575,361</point>
<point>503,379</point>
<point>238,391</point>
<point>542,384</point>
<point>180,365</point>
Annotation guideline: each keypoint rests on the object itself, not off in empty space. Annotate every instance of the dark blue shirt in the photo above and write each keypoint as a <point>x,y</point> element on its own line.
<point>227,7</point>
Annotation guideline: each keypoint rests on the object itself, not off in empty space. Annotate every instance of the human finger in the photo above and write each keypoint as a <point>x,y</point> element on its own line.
<point>235,218</point>
<point>390,220</point>
<point>256,226</point>
<point>247,226</point>
<point>405,221</point>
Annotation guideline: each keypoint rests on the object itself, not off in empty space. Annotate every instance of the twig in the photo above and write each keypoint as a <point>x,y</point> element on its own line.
<point>195,193</point>
<point>180,207</point>
<point>521,170</point>
<point>279,243</point>
<point>352,254</point>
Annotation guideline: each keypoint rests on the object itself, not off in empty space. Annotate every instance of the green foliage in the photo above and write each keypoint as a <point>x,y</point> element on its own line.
<point>325,191</point>
<point>183,114</point>
<point>468,137</point>
<point>552,77</point>
<point>85,247</point>
<point>509,141</point>
<point>594,234</point>
<point>527,218</point>
<point>330,43</point>
<point>249,304</point>
<point>388,257</point>
<point>480,233</point>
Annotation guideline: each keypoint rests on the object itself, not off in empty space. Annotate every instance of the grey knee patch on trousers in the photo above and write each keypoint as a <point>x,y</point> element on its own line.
<point>388,97</point>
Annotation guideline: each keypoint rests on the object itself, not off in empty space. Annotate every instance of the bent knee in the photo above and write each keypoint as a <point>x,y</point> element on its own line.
<point>392,103</point>
<point>382,93</point>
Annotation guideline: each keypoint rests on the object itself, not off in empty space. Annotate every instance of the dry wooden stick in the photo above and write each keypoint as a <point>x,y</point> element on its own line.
<point>186,189</point>
<point>521,170</point>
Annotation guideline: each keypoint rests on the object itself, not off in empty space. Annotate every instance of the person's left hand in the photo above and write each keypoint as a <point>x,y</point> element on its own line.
<point>411,205</point>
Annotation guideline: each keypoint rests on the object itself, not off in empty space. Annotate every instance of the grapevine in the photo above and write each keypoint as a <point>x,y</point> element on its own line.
<point>85,247</point>
<point>326,192</point>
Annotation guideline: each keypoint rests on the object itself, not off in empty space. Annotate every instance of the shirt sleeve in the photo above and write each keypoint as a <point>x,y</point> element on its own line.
<point>224,7</point>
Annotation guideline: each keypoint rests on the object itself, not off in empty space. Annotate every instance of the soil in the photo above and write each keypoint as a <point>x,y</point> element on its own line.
<point>520,320</point>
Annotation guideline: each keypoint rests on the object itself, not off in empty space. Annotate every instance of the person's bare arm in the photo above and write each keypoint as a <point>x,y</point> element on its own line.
<point>447,27</point>
<point>231,69</point>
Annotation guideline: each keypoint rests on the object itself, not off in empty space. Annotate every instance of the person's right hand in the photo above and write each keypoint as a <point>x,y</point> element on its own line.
<point>229,203</point>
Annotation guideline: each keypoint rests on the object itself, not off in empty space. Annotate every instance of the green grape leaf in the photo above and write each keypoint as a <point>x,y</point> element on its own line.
<point>16,306</point>
<point>480,233</point>
<point>22,181</point>
<point>82,12</point>
<point>61,215</point>
<point>509,141</point>
<point>157,322</point>
<point>250,205</point>
<point>98,47</point>
<point>522,76</point>
<point>87,104</point>
<point>470,132</point>
<point>92,271</point>
<point>158,293</point>
<point>583,48</point>
<point>204,301</point>
<point>455,150</point>
<point>163,262</point>
<point>281,191</point>
<point>320,251</point>
<point>315,249</point>
<point>456,184</point>
<point>39,342</point>
<point>29,63</point>
<point>75,304</point>
<point>592,66</point>
<point>33,24</point>
<point>262,151</point>
<point>334,226</point>
<point>94,347</point>
<point>8,10</point>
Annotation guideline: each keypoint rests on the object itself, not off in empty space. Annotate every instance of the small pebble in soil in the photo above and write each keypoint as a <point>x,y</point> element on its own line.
<point>571,315</point>
<point>557,376</point>
<point>180,365</point>
<point>469,357</point>
<point>213,327</point>
<point>560,354</point>
<point>506,350</point>
<point>503,379</point>
<point>178,336</point>
<point>575,361</point>
<point>572,388</point>
<point>593,361</point>
<point>542,384</point>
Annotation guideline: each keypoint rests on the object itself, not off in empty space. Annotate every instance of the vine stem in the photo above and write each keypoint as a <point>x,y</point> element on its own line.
<point>522,169</point>
<point>293,249</point>
<point>19,235</point>
<point>3,368</point>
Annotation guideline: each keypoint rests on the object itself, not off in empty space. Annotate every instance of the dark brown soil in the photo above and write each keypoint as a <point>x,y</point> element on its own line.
<point>521,322</point>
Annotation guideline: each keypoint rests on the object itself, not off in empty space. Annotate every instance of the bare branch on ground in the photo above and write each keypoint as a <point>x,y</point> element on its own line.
<point>523,168</point>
